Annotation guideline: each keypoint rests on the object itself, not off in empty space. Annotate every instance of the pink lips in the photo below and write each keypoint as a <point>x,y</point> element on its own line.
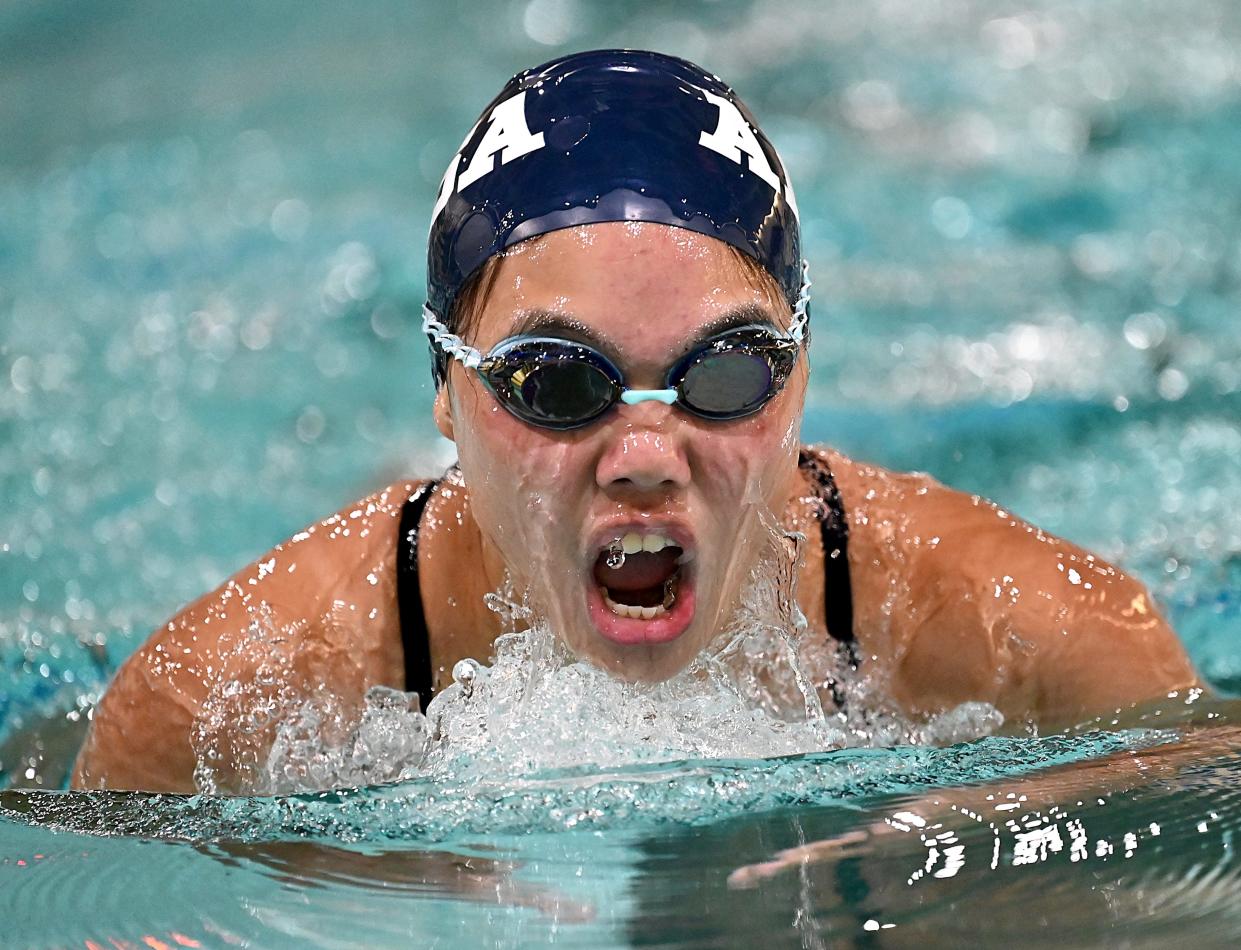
<point>629,632</point>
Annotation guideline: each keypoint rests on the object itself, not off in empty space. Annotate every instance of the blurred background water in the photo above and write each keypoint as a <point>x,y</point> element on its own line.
<point>1022,221</point>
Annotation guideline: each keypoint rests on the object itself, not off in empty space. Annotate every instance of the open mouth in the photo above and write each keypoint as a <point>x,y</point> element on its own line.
<point>638,575</point>
<point>642,589</point>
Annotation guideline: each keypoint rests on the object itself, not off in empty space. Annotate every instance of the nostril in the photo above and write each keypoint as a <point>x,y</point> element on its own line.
<point>654,482</point>
<point>643,460</point>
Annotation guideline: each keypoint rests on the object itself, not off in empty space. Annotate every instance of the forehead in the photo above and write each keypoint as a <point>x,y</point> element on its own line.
<point>635,284</point>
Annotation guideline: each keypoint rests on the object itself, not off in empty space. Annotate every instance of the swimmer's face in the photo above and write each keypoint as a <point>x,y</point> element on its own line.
<point>553,501</point>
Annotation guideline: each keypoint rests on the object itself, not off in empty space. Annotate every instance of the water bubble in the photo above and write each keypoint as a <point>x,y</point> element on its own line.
<point>22,374</point>
<point>465,673</point>
<point>951,217</point>
<point>1144,331</point>
<point>1013,42</point>
<point>873,105</point>
<point>551,22</point>
<point>310,424</point>
<point>1172,384</point>
<point>616,555</point>
<point>289,220</point>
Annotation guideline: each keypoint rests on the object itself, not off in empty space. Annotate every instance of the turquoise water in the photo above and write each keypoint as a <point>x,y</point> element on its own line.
<point>1022,222</point>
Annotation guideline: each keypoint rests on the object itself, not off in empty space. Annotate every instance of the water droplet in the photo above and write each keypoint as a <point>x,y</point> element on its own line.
<point>616,554</point>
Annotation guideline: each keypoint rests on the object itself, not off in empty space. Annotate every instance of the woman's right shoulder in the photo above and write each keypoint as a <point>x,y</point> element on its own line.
<point>371,521</point>
<point>320,607</point>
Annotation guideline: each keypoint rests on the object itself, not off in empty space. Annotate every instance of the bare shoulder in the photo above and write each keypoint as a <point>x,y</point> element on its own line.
<point>964,600</point>
<point>319,610</point>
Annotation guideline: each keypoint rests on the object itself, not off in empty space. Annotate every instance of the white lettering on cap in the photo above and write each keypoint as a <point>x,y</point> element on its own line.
<point>791,199</point>
<point>507,134</point>
<point>448,184</point>
<point>446,187</point>
<point>733,135</point>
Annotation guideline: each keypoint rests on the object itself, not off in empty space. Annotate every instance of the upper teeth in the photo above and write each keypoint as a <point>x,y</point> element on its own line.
<point>633,543</point>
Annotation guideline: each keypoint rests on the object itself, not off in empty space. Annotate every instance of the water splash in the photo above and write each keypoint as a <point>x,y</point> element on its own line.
<point>757,692</point>
<point>389,743</point>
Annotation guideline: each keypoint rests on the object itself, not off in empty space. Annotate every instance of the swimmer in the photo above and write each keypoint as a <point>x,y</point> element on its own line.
<point>618,314</point>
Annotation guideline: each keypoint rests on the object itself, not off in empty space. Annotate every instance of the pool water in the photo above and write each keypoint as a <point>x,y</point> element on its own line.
<point>1022,225</point>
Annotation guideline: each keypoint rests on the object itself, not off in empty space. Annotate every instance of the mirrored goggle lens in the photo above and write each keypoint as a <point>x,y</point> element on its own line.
<point>729,383</point>
<point>560,393</point>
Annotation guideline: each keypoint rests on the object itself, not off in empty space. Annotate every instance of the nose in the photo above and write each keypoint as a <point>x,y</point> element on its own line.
<point>644,453</point>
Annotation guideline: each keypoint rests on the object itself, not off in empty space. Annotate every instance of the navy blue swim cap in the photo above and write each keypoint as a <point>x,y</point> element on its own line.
<point>612,135</point>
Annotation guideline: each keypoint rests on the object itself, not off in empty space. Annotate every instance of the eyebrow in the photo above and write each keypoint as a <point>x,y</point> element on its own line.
<point>557,324</point>
<point>743,316</point>
<point>547,322</point>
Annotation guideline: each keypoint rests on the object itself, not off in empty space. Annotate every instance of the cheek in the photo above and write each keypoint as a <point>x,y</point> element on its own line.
<point>748,462</point>
<point>520,478</point>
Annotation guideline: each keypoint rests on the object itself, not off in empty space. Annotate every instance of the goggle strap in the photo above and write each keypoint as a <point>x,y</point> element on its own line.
<point>449,342</point>
<point>801,316</point>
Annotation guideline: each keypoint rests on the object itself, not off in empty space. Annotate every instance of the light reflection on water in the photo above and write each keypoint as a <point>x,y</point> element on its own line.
<point>1092,849</point>
<point>1022,221</point>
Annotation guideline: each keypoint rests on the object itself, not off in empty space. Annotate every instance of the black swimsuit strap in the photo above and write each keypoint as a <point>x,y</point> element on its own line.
<point>834,530</point>
<point>415,638</point>
<point>837,589</point>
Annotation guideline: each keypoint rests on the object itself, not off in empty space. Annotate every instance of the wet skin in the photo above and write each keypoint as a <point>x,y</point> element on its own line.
<point>954,598</point>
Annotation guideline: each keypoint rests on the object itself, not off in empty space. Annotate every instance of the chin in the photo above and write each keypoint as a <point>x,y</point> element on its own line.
<point>643,665</point>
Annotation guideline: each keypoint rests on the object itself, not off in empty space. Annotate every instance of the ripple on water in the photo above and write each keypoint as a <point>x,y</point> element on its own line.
<point>1079,857</point>
<point>1090,857</point>
<point>643,795</point>
<point>98,890</point>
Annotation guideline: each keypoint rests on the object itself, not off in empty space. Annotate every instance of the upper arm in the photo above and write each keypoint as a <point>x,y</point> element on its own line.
<point>317,611</point>
<point>139,736</point>
<point>1009,614</point>
<point>1100,642</point>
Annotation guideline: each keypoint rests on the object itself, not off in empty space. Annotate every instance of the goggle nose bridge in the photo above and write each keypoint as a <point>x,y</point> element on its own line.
<point>631,397</point>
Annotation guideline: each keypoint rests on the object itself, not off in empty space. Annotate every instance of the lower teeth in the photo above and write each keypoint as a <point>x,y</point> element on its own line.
<point>635,612</point>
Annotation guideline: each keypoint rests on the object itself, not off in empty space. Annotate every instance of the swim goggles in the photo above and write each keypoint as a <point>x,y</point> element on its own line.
<point>556,383</point>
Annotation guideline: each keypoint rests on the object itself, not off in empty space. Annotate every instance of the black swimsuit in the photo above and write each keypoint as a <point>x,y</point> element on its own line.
<point>838,596</point>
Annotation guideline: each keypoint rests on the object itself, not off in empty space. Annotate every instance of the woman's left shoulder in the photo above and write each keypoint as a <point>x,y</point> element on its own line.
<point>867,486</point>
<point>914,519</point>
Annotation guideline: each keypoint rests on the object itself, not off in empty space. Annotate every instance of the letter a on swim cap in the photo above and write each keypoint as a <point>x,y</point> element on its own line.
<point>733,135</point>
<point>507,134</point>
